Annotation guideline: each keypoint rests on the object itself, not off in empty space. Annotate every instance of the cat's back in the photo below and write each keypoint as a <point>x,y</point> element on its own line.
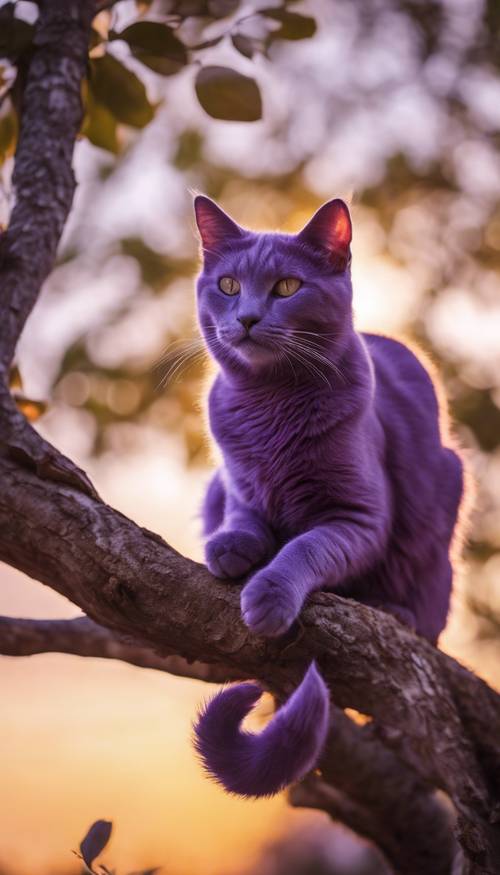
<point>423,465</point>
<point>406,387</point>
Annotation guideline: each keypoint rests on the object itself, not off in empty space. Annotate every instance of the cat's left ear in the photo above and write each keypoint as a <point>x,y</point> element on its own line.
<point>330,229</point>
<point>214,225</point>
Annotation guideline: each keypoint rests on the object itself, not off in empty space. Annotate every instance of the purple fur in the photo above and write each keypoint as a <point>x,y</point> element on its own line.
<point>334,473</point>
<point>260,765</point>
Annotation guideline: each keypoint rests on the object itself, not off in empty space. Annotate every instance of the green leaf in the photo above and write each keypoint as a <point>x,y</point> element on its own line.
<point>244,45</point>
<point>293,25</point>
<point>155,45</point>
<point>227,95</point>
<point>118,89</point>
<point>100,126</point>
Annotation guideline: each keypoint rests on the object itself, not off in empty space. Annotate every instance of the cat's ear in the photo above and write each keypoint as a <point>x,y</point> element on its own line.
<point>214,225</point>
<point>330,229</point>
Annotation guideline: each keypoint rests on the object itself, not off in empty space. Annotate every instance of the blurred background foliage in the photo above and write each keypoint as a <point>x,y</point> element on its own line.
<point>272,108</point>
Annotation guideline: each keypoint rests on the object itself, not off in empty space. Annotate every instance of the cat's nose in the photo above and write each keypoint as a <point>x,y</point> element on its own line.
<point>248,321</point>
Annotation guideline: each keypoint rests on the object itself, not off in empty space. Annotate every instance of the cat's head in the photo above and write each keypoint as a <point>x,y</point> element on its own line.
<point>274,303</point>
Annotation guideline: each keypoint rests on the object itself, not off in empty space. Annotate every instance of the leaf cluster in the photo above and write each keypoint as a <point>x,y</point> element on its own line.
<point>115,95</point>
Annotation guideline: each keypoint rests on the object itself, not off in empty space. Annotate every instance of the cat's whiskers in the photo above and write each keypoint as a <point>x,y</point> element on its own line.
<point>295,351</point>
<point>189,359</point>
<point>289,360</point>
<point>191,351</point>
<point>317,352</point>
<point>307,348</point>
<point>181,343</point>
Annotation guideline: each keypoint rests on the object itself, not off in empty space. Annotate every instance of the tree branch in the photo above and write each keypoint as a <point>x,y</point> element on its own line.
<point>370,789</point>
<point>128,579</point>
<point>44,184</point>
<point>82,637</point>
<point>43,179</point>
<point>441,858</point>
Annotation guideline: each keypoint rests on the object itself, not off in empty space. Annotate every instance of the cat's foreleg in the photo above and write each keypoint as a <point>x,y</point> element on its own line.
<point>243,541</point>
<point>325,555</point>
<point>212,512</point>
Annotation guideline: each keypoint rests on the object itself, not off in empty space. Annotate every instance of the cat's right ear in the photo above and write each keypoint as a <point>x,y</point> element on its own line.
<point>330,229</point>
<point>214,225</point>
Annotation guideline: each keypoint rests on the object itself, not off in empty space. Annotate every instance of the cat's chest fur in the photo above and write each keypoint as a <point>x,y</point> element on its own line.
<point>279,448</point>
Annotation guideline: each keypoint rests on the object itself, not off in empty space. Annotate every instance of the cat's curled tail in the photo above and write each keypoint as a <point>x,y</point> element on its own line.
<point>288,748</point>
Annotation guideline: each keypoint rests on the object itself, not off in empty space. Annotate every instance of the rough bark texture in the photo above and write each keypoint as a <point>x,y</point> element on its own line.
<point>434,725</point>
<point>44,184</point>
<point>82,637</point>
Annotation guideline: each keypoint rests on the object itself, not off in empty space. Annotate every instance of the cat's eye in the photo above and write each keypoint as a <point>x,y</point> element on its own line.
<point>229,285</point>
<point>286,287</point>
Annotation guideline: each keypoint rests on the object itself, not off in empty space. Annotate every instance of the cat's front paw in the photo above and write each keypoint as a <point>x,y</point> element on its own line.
<point>270,603</point>
<point>233,554</point>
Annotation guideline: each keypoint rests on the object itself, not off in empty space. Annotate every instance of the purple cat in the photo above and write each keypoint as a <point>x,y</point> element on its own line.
<point>334,475</point>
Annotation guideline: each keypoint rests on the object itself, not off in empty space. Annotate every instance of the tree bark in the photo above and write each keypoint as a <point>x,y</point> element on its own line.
<point>82,637</point>
<point>44,184</point>
<point>131,581</point>
<point>434,725</point>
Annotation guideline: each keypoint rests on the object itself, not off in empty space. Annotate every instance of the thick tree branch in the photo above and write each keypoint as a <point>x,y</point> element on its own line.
<point>370,789</point>
<point>43,178</point>
<point>82,637</point>
<point>44,184</point>
<point>129,580</point>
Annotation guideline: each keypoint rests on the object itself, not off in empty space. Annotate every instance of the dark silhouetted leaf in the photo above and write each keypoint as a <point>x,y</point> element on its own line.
<point>227,95</point>
<point>95,841</point>
<point>244,45</point>
<point>155,45</point>
<point>120,91</point>
<point>293,25</point>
